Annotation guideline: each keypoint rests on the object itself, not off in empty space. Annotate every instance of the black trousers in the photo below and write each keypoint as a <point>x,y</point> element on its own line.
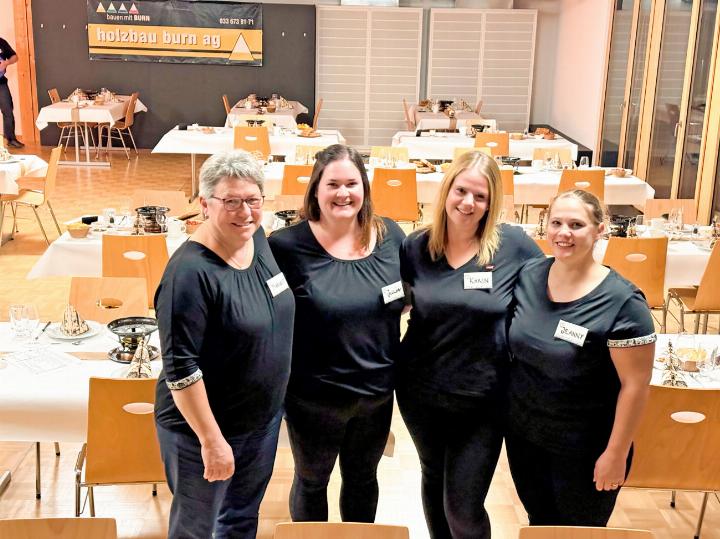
<point>458,440</point>
<point>351,427</point>
<point>6,108</point>
<point>558,490</point>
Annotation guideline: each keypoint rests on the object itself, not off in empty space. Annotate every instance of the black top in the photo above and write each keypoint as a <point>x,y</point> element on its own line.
<point>6,52</point>
<point>225,323</point>
<point>563,395</point>
<point>456,337</point>
<point>346,335</point>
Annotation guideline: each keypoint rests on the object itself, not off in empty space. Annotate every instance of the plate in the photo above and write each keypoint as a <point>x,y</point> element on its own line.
<point>53,331</point>
<point>313,134</point>
<point>9,161</point>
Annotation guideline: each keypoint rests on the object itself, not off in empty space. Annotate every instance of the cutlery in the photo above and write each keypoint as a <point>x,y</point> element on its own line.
<point>42,331</point>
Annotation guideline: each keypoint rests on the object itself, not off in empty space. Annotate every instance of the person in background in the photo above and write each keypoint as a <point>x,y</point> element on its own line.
<point>454,362</point>
<point>7,57</point>
<point>343,266</point>
<point>225,316</point>
<point>582,343</point>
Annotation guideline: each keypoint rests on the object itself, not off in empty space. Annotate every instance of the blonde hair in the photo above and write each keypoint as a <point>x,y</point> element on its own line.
<point>487,235</point>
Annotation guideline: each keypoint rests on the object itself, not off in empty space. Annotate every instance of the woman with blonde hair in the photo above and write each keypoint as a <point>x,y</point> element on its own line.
<point>452,376</point>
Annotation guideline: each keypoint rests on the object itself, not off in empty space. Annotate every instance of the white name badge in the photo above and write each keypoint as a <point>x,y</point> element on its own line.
<point>277,284</point>
<point>477,280</point>
<point>571,333</point>
<point>392,292</point>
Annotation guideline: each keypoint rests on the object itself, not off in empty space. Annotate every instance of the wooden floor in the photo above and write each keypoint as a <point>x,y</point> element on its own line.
<point>138,514</point>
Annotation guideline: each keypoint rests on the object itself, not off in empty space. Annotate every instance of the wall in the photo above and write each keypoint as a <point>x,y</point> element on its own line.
<point>7,32</point>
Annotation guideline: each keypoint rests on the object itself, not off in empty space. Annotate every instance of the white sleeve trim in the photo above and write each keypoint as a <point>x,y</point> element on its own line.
<point>635,341</point>
<point>185,382</point>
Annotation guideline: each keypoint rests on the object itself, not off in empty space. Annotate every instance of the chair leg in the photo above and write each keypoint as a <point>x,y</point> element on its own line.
<point>133,141</point>
<point>706,318</point>
<point>122,140</point>
<point>13,208</point>
<point>697,323</point>
<point>673,497</point>
<point>666,305</point>
<point>702,515</point>
<point>57,449</point>
<point>154,491</point>
<point>42,228</point>
<point>682,319</point>
<point>37,471</point>
<point>54,218</point>
<point>91,500</point>
<point>77,498</point>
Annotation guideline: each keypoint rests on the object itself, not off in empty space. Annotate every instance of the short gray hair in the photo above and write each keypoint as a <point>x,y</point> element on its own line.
<point>233,164</point>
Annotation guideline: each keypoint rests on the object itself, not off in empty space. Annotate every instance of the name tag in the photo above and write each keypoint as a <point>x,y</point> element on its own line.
<point>571,333</point>
<point>477,280</point>
<point>392,292</point>
<point>277,284</point>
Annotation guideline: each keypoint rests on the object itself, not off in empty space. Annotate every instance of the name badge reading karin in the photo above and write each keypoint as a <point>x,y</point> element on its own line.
<point>571,333</point>
<point>277,284</point>
<point>392,292</point>
<point>477,280</point>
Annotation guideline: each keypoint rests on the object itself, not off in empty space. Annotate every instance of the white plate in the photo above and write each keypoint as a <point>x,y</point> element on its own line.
<point>53,331</point>
<point>9,161</point>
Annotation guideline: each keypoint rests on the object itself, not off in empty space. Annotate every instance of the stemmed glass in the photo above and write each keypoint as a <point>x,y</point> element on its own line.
<point>24,320</point>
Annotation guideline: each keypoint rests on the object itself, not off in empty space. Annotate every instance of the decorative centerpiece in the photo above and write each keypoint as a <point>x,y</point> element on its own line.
<point>132,331</point>
<point>540,229</point>
<point>140,364</point>
<point>153,218</point>
<point>672,375</point>
<point>72,323</point>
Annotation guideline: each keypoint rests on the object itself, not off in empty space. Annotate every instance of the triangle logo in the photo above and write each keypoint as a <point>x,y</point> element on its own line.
<point>241,51</point>
<point>100,8</point>
<point>111,8</point>
<point>134,10</point>
<point>122,9</point>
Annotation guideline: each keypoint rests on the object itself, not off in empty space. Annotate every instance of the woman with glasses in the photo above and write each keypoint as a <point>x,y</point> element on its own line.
<point>225,315</point>
<point>342,264</point>
<point>451,378</point>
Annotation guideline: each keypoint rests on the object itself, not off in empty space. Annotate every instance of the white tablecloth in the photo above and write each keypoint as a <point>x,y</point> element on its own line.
<point>440,120</point>
<point>281,117</point>
<point>20,165</point>
<point>693,379</point>
<point>67,256</point>
<point>442,145</point>
<point>107,113</point>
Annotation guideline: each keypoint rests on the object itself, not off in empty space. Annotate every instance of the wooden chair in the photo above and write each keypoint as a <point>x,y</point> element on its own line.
<point>122,446</point>
<point>255,140</point>
<point>564,154</point>
<point>305,155</point>
<point>176,201</point>
<point>677,444</point>
<point>544,245</point>
<point>318,108</point>
<point>70,126</point>
<point>121,126</point>
<point>408,121</point>
<point>499,143</point>
<point>702,300</point>
<point>394,193</point>
<point>642,262</point>
<point>104,299</point>
<point>390,152</point>
<point>656,207</point>
<point>226,104</point>
<point>592,180</point>
<point>58,528</point>
<point>295,179</point>
<point>508,181</point>
<point>457,152</point>
<point>478,106</point>
<point>135,256</point>
<point>54,95</point>
<point>581,532</point>
<point>339,530</point>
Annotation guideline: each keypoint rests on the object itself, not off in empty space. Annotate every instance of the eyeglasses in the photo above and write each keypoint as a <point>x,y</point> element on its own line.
<point>234,204</point>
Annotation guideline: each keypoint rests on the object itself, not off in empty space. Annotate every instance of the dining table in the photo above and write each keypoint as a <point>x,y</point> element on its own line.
<point>427,119</point>
<point>283,117</point>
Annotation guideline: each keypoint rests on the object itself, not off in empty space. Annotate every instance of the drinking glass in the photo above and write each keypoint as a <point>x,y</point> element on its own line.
<point>584,161</point>
<point>705,363</point>
<point>24,320</point>
<point>640,225</point>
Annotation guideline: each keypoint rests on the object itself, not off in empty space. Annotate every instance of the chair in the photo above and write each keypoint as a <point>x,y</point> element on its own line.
<point>305,155</point>
<point>458,151</point>
<point>677,443</point>
<point>389,152</point>
<point>318,108</point>
<point>69,126</point>
<point>408,121</point>
<point>581,532</point>
<point>701,300</point>
<point>339,530</point>
<point>642,262</point>
<point>120,126</point>
<point>135,256</point>
<point>592,180</point>
<point>122,445</point>
<point>295,179</point>
<point>226,104</point>
<point>176,201</point>
<point>499,143</point>
<point>544,245</point>
<point>394,193</point>
<point>58,528</point>
<point>543,154</point>
<point>253,139</point>
<point>104,299</point>
<point>478,106</point>
<point>656,207</point>
<point>508,181</point>
<point>37,197</point>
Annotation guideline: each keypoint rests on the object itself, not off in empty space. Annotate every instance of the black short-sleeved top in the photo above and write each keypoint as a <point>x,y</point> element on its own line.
<point>563,395</point>
<point>224,325</point>
<point>346,336</point>
<point>6,52</point>
<point>456,337</point>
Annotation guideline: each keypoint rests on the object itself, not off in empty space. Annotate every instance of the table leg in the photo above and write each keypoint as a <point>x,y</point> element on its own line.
<point>87,162</point>
<point>87,139</point>
<point>77,145</point>
<point>5,478</point>
<point>193,178</point>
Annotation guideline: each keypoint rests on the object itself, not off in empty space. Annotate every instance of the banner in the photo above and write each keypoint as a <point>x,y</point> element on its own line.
<point>176,31</point>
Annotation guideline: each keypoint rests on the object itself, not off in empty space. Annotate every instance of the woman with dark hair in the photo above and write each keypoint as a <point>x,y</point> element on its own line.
<point>582,342</point>
<point>453,371</point>
<point>343,265</point>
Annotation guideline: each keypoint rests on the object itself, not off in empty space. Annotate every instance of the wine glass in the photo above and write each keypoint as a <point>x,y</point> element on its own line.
<point>640,225</point>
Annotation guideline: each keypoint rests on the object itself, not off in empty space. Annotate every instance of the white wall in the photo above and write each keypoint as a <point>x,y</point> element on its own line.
<point>7,32</point>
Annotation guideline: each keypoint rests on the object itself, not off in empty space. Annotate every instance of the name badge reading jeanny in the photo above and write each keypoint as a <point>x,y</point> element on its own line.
<point>477,280</point>
<point>277,284</point>
<point>571,333</point>
<point>392,292</point>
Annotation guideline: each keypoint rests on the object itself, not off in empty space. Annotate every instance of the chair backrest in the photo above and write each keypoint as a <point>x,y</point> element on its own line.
<point>58,528</point>
<point>176,201</point>
<point>592,180</point>
<point>390,152</point>
<point>130,110</point>
<point>54,95</point>
<point>51,176</point>
<point>508,181</point>
<point>478,106</point>
<point>394,193</point>
<point>563,154</point>
<point>408,120</point>
<point>656,207</point>
<point>252,139</point>
<point>458,151</point>
<point>509,208</point>
<point>499,143</point>
<point>305,155</point>
<point>318,108</point>
<point>708,293</point>
<point>105,299</point>
<point>677,443</point>
<point>581,532</point>
<point>135,256</point>
<point>122,445</point>
<point>339,530</point>
<point>295,179</point>
<point>226,104</point>
<point>642,262</point>
<point>544,245</point>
